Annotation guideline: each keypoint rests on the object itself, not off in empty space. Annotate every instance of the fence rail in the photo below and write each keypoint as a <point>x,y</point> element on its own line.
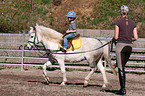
<point>6,52</point>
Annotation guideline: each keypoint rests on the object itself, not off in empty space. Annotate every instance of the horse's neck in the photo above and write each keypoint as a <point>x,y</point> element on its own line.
<point>49,37</point>
<point>50,45</point>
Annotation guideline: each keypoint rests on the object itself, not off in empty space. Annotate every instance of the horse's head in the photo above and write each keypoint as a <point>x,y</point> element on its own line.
<point>33,39</point>
<point>47,36</point>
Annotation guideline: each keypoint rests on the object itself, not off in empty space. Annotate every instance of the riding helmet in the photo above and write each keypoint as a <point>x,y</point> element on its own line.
<point>71,14</point>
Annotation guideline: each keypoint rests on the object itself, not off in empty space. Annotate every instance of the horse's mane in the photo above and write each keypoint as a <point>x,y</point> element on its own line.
<point>48,34</point>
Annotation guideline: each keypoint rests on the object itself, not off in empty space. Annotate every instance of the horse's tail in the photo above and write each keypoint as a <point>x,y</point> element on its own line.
<point>107,57</point>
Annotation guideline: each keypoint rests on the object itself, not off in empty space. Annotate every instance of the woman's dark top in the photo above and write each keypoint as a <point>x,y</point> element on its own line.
<point>125,32</point>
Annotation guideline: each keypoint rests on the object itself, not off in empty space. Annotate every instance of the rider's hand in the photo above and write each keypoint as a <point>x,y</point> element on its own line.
<point>67,31</point>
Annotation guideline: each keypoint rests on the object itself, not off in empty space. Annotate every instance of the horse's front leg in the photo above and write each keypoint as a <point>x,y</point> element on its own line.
<point>48,63</point>
<point>62,67</point>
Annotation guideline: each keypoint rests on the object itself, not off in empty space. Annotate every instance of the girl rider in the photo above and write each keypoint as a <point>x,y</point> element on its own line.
<point>71,32</point>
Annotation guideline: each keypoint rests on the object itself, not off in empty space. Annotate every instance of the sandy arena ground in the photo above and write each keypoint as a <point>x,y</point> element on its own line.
<point>14,82</point>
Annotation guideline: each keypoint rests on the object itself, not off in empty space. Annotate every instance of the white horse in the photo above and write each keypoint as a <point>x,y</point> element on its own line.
<point>50,38</point>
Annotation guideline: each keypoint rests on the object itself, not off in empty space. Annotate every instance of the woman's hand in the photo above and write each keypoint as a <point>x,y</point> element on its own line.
<point>113,40</point>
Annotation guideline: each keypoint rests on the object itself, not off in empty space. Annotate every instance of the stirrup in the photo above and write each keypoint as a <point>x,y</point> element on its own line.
<point>62,49</point>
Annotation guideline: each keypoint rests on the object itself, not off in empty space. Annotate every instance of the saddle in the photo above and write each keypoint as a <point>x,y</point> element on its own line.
<point>70,41</point>
<point>73,43</point>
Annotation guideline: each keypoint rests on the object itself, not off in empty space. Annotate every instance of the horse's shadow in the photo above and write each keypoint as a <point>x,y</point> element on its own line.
<point>58,83</point>
<point>77,84</point>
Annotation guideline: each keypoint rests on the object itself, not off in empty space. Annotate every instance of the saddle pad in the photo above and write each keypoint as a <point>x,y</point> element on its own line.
<point>76,44</point>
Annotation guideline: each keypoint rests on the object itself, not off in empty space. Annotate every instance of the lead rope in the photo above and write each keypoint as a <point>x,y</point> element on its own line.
<point>85,51</point>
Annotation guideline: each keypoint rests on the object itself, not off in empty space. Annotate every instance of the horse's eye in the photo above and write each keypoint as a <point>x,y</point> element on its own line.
<point>32,36</point>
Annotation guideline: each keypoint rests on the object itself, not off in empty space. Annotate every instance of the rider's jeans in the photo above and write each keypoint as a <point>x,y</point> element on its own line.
<point>69,36</point>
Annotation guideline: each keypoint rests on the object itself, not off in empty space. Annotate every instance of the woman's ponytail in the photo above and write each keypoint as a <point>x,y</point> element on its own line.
<point>126,18</point>
<point>124,9</point>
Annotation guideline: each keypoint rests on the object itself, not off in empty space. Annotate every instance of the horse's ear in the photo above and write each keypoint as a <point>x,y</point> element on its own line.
<point>31,29</point>
<point>37,24</point>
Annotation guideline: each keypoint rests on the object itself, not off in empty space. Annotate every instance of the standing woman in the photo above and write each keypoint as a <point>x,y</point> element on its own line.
<point>124,28</point>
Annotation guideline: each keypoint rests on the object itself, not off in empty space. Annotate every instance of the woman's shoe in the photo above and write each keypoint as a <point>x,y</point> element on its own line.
<point>122,77</point>
<point>121,92</point>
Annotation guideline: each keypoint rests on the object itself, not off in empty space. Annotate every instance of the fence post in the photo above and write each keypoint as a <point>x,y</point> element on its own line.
<point>22,66</point>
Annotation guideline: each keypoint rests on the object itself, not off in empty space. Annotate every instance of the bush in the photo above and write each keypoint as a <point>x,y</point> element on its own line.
<point>95,14</point>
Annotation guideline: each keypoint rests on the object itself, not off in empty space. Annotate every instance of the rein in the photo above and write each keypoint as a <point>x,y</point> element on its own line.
<point>55,51</point>
<point>39,48</point>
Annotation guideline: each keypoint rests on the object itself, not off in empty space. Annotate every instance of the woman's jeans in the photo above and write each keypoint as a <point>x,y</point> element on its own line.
<point>69,36</point>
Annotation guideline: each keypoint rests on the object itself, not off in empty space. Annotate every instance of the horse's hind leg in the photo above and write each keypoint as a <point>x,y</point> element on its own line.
<point>48,63</point>
<point>102,69</point>
<point>88,77</point>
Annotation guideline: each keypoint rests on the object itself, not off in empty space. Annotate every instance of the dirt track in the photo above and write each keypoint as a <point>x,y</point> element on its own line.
<point>14,82</point>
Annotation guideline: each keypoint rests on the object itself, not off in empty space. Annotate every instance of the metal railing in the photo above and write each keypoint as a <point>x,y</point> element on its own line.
<point>23,57</point>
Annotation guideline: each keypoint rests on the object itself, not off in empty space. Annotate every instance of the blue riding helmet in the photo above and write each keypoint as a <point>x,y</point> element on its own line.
<point>71,14</point>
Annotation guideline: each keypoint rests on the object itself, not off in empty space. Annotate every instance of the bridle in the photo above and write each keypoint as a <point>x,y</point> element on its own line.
<point>34,40</point>
<point>39,46</point>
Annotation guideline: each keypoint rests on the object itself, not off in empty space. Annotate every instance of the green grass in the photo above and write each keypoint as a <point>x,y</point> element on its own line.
<point>18,15</point>
<point>2,68</point>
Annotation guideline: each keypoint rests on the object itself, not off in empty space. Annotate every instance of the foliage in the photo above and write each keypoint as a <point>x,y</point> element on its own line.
<point>16,15</point>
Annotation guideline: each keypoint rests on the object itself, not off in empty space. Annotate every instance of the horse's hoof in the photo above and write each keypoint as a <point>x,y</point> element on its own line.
<point>85,84</point>
<point>47,83</point>
<point>106,86</point>
<point>62,84</point>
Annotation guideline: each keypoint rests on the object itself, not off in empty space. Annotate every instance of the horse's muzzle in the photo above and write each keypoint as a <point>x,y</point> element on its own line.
<point>30,46</point>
